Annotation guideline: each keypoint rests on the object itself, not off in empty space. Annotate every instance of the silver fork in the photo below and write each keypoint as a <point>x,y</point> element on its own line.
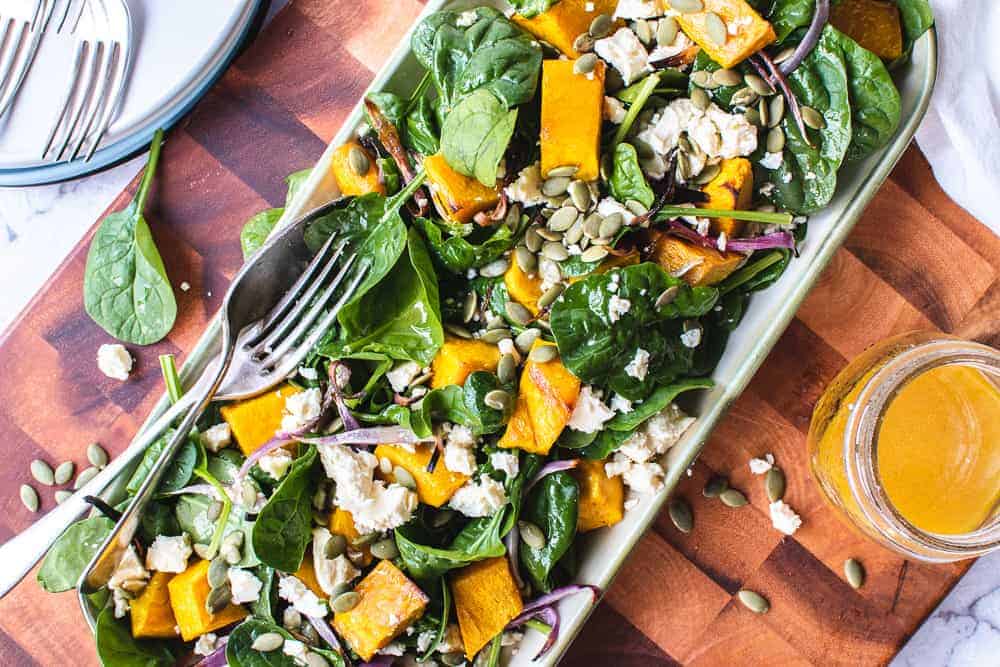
<point>18,46</point>
<point>97,81</point>
<point>276,310</point>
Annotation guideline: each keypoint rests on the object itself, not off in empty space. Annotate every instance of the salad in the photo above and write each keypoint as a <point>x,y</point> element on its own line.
<point>563,222</point>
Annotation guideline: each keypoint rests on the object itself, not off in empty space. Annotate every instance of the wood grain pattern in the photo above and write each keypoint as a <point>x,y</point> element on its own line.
<point>915,260</point>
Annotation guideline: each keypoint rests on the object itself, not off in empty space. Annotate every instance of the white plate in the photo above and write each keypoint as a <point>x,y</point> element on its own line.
<point>180,49</point>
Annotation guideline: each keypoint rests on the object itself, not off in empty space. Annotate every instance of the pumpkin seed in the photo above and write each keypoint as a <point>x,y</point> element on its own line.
<point>549,296</point>
<point>602,241</point>
<point>453,659</point>
<point>555,186</point>
<point>580,194</point>
<point>550,235</point>
<point>457,330</point>
<point>496,322</point>
<point>203,551</point>
<point>574,233</point>
<point>29,497</point>
<point>813,118</point>
<point>733,498</point>
<point>494,336</point>
<point>469,306</point>
<point>248,494</point>
<point>680,514</point>
<point>62,496</point>
<point>775,110</point>
<point>218,599</point>
<point>667,296</point>
<point>701,78</point>
<point>592,225</point>
<point>555,251</point>
<point>315,659</point>
<point>532,240</point>
<point>319,518</point>
<point>585,64</point>
<point>743,97</point>
<point>267,642</point>
<point>64,472</point>
<point>563,219</point>
<point>774,483</point>
<point>855,573</point>
<point>335,546</point>
<point>507,369</point>
<point>362,541</point>
<point>708,174</point>
<point>345,602</point>
<point>531,534</point>
<point>700,99</point>
<point>775,140</point>
<point>636,207</point>
<point>600,26</point>
<point>784,55</point>
<point>42,472</point>
<point>666,32</point>
<point>543,353</point>
<point>358,161</point>
<point>611,225</point>
<point>758,85</point>
<point>526,339</point>
<point>525,259</point>
<point>566,171</point>
<point>518,313</point>
<point>218,572</point>
<point>404,478</point>
<point>687,6</point>
<point>643,31</point>
<point>727,77</point>
<point>495,268</point>
<point>715,486</point>
<point>231,554</point>
<point>753,117</point>
<point>715,28</point>
<point>583,43</point>
<point>319,498</point>
<point>498,399</point>
<point>594,253</point>
<point>385,549</point>
<point>762,111</point>
<point>96,455</point>
<point>214,510</point>
<point>753,601</point>
<point>85,476</point>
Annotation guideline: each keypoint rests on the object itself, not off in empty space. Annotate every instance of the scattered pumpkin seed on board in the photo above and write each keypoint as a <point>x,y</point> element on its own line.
<point>854,572</point>
<point>64,472</point>
<point>733,498</point>
<point>96,455</point>
<point>774,483</point>
<point>715,486</point>
<point>29,497</point>
<point>753,601</point>
<point>681,515</point>
<point>42,472</point>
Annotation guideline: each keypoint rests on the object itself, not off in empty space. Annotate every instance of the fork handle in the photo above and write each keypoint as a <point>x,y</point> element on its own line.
<point>20,553</point>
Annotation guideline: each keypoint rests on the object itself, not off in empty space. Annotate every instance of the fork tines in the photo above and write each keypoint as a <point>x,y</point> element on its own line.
<point>19,40</point>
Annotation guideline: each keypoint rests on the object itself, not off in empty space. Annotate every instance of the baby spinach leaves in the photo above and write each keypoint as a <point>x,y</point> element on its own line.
<point>458,254</point>
<point>259,227</point>
<point>479,539</point>
<point>416,123</point>
<point>177,475</point>
<point>529,8</point>
<point>917,18</point>
<point>475,135</point>
<point>284,526</point>
<point>240,651</point>
<point>477,385</point>
<point>627,180</point>
<point>787,16</point>
<point>553,506</point>
<point>66,560</point>
<point>125,285</point>
<point>116,647</point>
<point>599,337</point>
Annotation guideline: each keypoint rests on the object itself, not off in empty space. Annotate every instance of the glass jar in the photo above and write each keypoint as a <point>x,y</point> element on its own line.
<point>900,444</point>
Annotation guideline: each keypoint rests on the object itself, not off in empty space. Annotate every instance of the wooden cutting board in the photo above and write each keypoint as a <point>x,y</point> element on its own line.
<point>916,260</point>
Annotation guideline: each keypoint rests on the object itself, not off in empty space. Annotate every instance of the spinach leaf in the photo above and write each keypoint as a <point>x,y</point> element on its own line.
<point>116,647</point>
<point>875,103</point>
<point>552,506</point>
<point>660,398</point>
<point>807,177</point>
<point>400,317</point>
<point>266,606</point>
<point>917,18</point>
<point>479,539</point>
<point>475,135</point>
<point>177,474</point>
<point>256,230</point>
<point>157,519</point>
<point>225,465</point>
<point>530,8</point>
<point>627,180</point>
<point>421,133</point>
<point>240,651</point>
<point>787,16</point>
<point>458,254</point>
<point>125,285</point>
<point>443,404</point>
<point>191,514</point>
<point>392,106</point>
<point>284,525</point>
<point>598,350</point>
<point>606,442</point>
<point>67,558</point>
<point>477,385</point>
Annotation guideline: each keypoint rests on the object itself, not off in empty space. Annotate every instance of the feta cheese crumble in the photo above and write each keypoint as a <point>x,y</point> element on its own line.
<point>614,110</point>
<point>459,449</point>
<point>762,465</point>
<point>206,644</point>
<point>590,412</point>
<point>296,650</point>
<point>772,160</point>
<point>374,505</point>
<point>276,463</point>
<point>691,337</point>
<point>217,437</point>
<point>617,306</point>
<point>634,460</point>
<point>245,586</point>
<point>527,188</point>
<point>625,53</point>
<point>621,404</point>
<point>402,375</point>
<point>114,361</point>
<point>300,409</point>
<point>784,518</point>
<point>480,498</point>
<point>168,553</point>
<point>638,9</point>
<point>639,365</point>
<point>506,463</point>
<point>297,594</point>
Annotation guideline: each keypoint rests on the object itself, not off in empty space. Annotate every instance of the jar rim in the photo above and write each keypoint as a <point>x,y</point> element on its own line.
<point>860,446</point>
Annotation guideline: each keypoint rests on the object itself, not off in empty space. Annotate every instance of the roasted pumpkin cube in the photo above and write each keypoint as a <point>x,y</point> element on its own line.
<point>566,20</point>
<point>617,261</point>
<point>342,523</point>
<point>457,197</point>
<point>548,394</point>
<point>874,24</point>
<point>255,420</point>
<point>188,591</point>
<point>459,357</point>
<point>752,32</point>
<point>696,264</point>
<point>572,112</point>
<point>522,287</point>
<point>433,488</point>
<point>389,603</point>
<point>602,498</point>
<point>350,182</point>
<point>152,615</point>
<point>486,600</point>
<point>731,189</point>
<point>519,433</point>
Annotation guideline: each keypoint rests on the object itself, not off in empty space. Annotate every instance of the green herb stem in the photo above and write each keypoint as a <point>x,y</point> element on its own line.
<point>397,200</point>
<point>539,626</point>
<point>227,506</point>
<point>172,379</point>
<point>493,660</point>
<point>418,92</point>
<point>784,219</point>
<point>147,177</point>
<point>749,271</point>
<point>642,96</point>
<point>443,625</point>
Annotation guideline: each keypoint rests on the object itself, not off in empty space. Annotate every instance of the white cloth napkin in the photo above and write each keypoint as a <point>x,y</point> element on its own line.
<point>961,133</point>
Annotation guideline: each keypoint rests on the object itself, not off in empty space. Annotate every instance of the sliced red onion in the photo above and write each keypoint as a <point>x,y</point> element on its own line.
<point>324,630</point>
<point>678,228</point>
<point>216,658</point>
<point>777,79</point>
<point>549,468</point>
<point>808,43</point>
<point>549,616</point>
<point>373,435</point>
<point>510,541</point>
<point>279,440</point>
<point>550,599</point>
<point>782,239</point>
<point>199,489</point>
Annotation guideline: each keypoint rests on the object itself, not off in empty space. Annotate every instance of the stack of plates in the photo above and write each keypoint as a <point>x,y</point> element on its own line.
<point>181,47</point>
